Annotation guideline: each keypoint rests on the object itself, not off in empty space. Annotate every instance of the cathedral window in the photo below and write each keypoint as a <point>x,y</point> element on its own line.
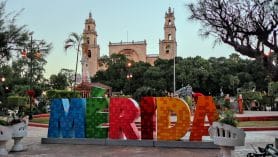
<point>168,49</point>
<point>169,37</point>
<point>89,28</point>
<point>89,53</point>
<point>88,40</point>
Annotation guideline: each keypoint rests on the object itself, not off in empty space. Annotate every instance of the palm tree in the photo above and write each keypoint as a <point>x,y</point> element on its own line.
<point>74,41</point>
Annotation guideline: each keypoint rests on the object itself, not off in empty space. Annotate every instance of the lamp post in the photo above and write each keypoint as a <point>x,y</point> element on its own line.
<point>129,75</point>
<point>34,53</point>
<point>174,77</point>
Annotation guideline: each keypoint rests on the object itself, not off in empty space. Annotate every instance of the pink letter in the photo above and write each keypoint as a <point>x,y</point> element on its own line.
<point>122,114</point>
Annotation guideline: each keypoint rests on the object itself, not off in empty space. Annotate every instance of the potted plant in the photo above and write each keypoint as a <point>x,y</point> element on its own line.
<point>16,126</point>
<point>5,136</point>
<point>13,124</point>
<point>225,133</point>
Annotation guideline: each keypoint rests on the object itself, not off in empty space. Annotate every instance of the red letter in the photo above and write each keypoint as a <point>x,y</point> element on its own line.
<point>205,106</point>
<point>148,117</point>
<point>122,114</point>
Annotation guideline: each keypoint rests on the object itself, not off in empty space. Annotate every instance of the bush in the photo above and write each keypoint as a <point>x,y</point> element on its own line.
<point>51,94</point>
<point>251,95</point>
<point>189,101</point>
<point>146,91</point>
<point>273,89</point>
<point>227,117</point>
<point>16,101</point>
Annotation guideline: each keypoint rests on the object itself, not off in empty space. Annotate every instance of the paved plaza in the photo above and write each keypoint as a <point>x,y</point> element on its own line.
<point>35,148</point>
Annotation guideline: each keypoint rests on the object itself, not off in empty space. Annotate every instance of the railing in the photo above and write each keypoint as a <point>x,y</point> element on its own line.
<point>128,43</point>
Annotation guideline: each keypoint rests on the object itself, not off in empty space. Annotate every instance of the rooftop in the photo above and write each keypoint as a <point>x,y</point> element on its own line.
<point>129,43</point>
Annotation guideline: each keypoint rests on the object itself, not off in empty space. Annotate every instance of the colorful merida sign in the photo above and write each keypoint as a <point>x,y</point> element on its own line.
<point>85,118</point>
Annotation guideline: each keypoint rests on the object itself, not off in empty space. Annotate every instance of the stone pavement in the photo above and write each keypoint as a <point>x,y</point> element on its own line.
<point>36,149</point>
<point>257,114</point>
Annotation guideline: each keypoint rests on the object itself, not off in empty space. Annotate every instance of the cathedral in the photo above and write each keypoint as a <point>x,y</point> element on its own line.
<point>135,50</point>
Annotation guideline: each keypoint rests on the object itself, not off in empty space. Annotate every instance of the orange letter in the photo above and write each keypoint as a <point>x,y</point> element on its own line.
<point>164,107</point>
<point>205,106</point>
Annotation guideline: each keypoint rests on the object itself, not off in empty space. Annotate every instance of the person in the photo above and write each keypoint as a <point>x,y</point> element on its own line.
<point>240,104</point>
<point>253,105</point>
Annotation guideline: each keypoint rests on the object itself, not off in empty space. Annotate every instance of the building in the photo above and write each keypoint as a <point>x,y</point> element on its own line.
<point>134,50</point>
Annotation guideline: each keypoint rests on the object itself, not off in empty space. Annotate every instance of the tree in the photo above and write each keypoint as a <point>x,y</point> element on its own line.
<point>58,81</point>
<point>249,26</point>
<point>115,75</point>
<point>69,73</point>
<point>11,35</point>
<point>74,41</point>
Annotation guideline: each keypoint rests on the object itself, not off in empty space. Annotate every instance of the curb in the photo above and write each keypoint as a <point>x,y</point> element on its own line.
<point>38,125</point>
<point>141,143</point>
<point>259,118</point>
<point>259,128</point>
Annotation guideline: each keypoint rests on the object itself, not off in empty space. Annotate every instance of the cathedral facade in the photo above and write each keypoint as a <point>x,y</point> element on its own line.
<point>134,50</point>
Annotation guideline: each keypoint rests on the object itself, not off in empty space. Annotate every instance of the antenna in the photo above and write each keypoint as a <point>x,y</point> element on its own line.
<point>126,36</point>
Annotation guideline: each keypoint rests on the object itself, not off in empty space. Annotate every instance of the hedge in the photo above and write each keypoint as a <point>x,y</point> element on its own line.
<point>51,94</point>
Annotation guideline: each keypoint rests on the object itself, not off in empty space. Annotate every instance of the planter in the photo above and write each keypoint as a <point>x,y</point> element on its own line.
<point>18,132</point>
<point>227,137</point>
<point>5,136</point>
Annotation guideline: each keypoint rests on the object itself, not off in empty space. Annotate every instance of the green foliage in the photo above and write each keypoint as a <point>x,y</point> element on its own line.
<point>228,117</point>
<point>52,94</point>
<point>59,81</point>
<point>273,89</point>
<point>227,104</point>
<point>188,100</point>
<point>251,95</point>
<point>3,122</point>
<point>146,91</point>
<point>17,100</point>
<point>205,76</point>
<point>267,100</point>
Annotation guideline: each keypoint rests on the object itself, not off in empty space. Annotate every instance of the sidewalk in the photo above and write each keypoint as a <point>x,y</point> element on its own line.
<point>35,148</point>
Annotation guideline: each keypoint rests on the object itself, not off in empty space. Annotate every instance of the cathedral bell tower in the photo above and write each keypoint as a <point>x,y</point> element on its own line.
<point>168,46</point>
<point>90,48</point>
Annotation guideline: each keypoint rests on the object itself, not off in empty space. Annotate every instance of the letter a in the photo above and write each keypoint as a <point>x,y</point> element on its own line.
<point>205,106</point>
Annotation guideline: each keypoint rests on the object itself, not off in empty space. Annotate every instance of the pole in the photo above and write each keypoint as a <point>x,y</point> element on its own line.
<point>31,76</point>
<point>174,79</point>
<point>129,87</point>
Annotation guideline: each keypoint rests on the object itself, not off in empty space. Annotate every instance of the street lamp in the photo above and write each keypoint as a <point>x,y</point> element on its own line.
<point>129,77</point>
<point>33,54</point>
<point>3,79</point>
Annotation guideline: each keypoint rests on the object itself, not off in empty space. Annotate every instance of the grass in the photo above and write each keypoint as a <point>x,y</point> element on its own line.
<point>257,124</point>
<point>43,120</point>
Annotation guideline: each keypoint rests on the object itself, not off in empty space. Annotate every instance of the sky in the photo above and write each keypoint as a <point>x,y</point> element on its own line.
<point>116,20</point>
